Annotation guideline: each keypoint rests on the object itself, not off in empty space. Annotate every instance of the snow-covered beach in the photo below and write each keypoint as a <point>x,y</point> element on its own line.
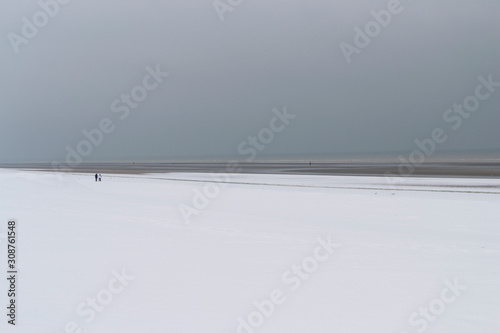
<point>251,253</point>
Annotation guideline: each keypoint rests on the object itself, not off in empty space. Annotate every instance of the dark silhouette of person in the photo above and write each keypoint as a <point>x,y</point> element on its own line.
<point>96,177</point>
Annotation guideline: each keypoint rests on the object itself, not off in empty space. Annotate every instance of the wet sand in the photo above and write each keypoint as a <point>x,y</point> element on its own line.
<point>445,169</point>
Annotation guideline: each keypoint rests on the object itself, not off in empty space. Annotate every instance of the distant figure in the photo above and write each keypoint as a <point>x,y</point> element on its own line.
<point>309,163</point>
<point>100,177</point>
<point>96,177</point>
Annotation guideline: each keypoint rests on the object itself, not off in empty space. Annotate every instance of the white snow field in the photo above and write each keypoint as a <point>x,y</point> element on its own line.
<point>264,253</point>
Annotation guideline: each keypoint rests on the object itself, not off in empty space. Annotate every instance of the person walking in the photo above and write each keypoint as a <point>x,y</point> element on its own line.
<point>96,177</point>
<point>100,177</point>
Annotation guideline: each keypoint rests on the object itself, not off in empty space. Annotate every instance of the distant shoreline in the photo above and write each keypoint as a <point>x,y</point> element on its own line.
<point>442,169</point>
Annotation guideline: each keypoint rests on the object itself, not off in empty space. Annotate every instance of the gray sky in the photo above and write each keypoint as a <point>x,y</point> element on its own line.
<point>226,76</point>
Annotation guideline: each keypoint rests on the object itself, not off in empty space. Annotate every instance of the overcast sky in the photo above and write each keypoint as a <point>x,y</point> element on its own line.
<point>230,66</point>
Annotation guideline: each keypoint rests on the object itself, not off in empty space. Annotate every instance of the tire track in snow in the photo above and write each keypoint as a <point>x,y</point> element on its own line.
<point>311,186</point>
